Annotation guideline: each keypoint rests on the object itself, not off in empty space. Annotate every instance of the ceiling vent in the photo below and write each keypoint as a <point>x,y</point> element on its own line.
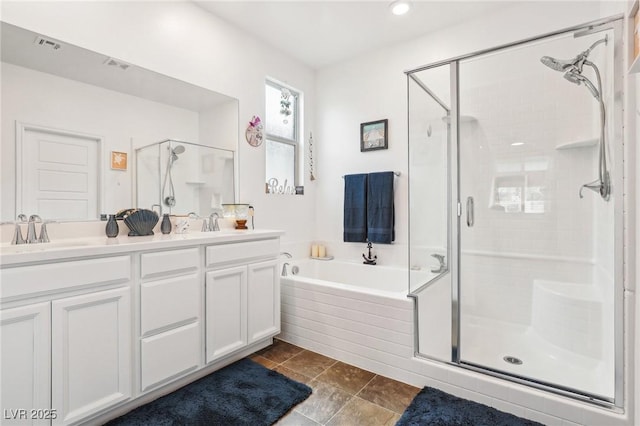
<point>48,43</point>
<point>110,62</point>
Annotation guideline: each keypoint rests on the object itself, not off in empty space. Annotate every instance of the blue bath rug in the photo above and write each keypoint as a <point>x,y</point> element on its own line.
<point>243,393</point>
<point>436,408</point>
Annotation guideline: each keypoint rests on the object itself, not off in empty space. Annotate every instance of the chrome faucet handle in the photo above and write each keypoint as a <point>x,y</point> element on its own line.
<point>17,235</point>
<point>595,186</point>
<point>44,235</point>
<point>286,254</point>
<point>205,226</point>
<point>22,218</point>
<point>213,221</point>
<point>442,267</point>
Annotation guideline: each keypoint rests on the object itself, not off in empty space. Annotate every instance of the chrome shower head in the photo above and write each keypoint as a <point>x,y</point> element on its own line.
<point>176,151</point>
<point>577,78</point>
<point>556,64</point>
<point>575,63</point>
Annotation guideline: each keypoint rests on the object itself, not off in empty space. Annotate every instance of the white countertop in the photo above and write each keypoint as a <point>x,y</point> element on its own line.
<point>15,255</point>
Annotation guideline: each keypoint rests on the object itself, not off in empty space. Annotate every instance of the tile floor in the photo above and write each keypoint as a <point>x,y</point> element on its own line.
<point>342,394</point>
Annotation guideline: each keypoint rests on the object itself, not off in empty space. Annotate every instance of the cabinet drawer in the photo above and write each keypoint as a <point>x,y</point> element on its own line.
<point>161,262</point>
<point>31,280</point>
<point>169,355</point>
<point>170,301</point>
<point>241,252</point>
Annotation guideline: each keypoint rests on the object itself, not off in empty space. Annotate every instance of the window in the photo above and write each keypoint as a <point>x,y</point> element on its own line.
<point>282,138</point>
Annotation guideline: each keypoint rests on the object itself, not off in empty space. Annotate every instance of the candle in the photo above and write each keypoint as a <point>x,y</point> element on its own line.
<point>322,251</point>
<point>314,250</point>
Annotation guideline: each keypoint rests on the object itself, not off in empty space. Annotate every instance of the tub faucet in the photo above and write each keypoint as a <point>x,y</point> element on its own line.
<point>442,267</point>
<point>284,266</point>
<point>284,269</point>
<point>368,260</point>
<point>31,229</point>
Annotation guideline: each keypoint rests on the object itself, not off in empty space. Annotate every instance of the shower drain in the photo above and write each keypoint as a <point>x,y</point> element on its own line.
<point>512,360</point>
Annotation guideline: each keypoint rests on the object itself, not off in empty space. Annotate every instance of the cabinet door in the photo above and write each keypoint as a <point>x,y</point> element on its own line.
<point>25,364</point>
<point>226,311</point>
<point>263,300</point>
<point>91,353</point>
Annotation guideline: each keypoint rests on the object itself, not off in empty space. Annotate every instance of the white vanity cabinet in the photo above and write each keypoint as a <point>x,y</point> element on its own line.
<point>91,332</point>
<point>66,339</point>
<point>90,353</point>
<point>242,302</point>
<point>25,334</point>
<point>170,315</point>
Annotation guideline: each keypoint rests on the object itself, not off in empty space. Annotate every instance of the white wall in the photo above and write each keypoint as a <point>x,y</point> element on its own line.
<point>183,41</point>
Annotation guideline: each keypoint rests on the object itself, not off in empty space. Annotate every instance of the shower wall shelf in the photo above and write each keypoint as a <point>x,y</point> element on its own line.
<point>463,119</point>
<point>578,144</point>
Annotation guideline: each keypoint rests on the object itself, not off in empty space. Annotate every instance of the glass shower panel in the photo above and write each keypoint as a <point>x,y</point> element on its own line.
<point>429,139</point>
<point>536,260</point>
<point>179,177</point>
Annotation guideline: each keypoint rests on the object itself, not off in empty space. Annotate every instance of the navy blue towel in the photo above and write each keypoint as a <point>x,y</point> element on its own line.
<point>355,208</point>
<point>380,220</point>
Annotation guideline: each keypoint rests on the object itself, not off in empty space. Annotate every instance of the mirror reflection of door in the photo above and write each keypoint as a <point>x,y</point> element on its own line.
<point>58,173</point>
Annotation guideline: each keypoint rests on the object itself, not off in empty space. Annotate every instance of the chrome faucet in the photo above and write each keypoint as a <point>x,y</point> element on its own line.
<point>284,269</point>
<point>213,222</point>
<point>284,266</point>
<point>31,228</point>
<point>442,267</point>
<point>205,225</point>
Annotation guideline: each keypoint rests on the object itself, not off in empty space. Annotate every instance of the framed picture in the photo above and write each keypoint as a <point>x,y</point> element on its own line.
<point>118,160</point>
<point>373,135</point>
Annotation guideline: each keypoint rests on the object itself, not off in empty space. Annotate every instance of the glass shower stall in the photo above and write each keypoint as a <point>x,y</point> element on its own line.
<point>515,193</point>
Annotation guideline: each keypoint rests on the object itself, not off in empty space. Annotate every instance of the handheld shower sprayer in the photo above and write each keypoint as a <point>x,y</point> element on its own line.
<point>573,72</point>
<point>169,199</point>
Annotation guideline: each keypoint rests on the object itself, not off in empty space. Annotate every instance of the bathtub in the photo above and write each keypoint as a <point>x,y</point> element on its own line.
<point>359,314</point>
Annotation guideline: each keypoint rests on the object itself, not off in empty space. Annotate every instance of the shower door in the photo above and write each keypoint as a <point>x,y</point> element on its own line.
<point>536,261</point>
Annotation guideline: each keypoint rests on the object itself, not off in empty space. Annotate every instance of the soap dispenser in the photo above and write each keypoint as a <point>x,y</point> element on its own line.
<point>165,226</point>
<point>112,227</point>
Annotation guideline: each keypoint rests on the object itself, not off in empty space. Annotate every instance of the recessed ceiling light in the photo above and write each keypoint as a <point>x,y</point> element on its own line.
<point>517,144</point>
<point>400,7</point>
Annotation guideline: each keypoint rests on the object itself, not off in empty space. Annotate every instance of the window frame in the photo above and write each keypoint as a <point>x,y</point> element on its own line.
<point>295,116</point>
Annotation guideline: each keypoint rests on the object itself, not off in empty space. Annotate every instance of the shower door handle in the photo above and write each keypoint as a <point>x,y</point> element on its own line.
<point>470,217</point>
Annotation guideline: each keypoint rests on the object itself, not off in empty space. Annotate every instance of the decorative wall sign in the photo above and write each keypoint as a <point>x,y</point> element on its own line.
<point>373,135</point>
<point>311,175</point>
<point>253,133</point>
<point>118,160</point>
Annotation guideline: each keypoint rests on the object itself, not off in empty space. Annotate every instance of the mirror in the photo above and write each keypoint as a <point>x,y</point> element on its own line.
<point>73,121</point>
